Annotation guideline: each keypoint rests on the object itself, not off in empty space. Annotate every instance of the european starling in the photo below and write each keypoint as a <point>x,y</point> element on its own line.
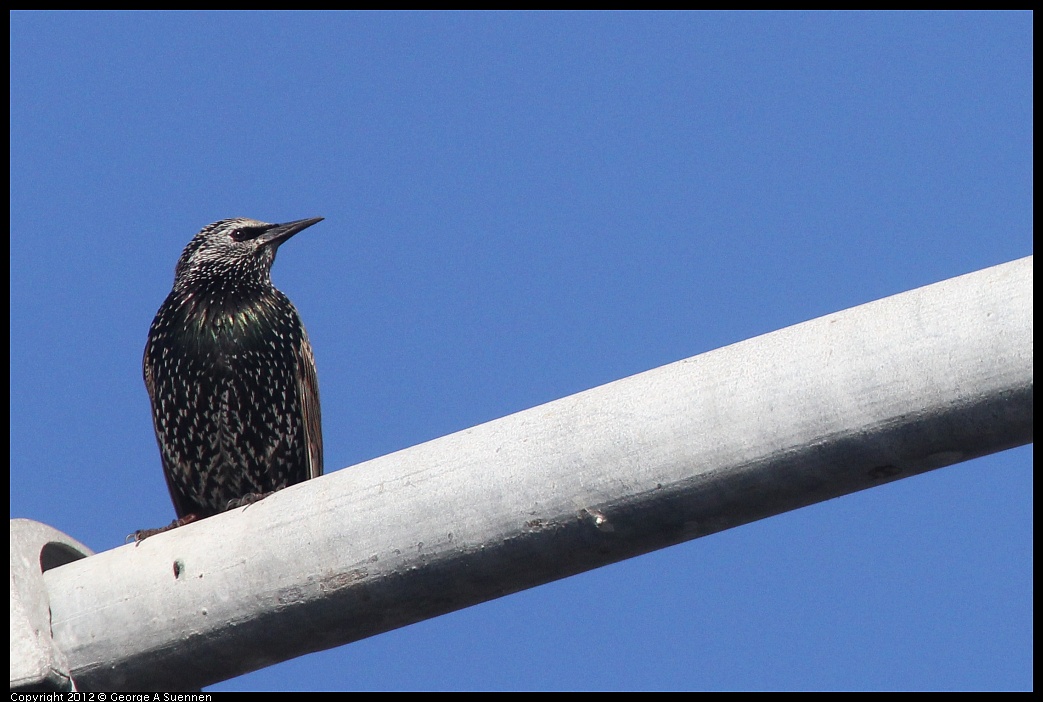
<point>231,375</point>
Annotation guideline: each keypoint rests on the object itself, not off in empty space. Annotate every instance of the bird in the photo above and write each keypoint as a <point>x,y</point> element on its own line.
<point>231,375</point>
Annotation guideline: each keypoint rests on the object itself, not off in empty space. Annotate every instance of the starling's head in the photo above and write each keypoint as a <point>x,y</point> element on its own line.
<point>240,248</point>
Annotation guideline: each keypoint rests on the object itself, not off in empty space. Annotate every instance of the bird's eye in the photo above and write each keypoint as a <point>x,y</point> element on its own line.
<point>247,233</point>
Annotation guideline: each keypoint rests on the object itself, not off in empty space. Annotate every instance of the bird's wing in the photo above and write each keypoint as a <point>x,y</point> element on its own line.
<point>308,390</point>
<point>148,370</point>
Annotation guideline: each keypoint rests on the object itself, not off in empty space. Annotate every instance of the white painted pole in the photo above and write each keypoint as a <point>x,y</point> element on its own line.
<point>883,391</point>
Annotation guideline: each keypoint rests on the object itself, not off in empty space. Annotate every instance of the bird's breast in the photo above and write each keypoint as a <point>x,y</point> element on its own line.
<point>226,330</point>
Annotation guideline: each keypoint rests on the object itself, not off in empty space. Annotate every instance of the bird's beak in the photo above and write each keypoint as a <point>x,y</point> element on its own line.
<point>281,232</point>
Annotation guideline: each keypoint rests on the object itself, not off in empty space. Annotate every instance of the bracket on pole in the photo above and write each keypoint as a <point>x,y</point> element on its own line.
<point>36,663</point>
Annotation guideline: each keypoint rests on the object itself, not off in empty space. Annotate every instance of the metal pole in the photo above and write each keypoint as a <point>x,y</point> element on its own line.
<point>855,399</point>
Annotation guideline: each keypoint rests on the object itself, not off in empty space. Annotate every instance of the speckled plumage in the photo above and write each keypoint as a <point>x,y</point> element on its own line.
<point>231,375</point>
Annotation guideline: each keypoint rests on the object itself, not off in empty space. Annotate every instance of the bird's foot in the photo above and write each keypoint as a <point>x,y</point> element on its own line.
<point>142,534</point>
<point>247,499</point>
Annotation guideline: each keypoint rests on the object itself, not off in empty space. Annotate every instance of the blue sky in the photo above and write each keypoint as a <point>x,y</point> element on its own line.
<point>519,207</point>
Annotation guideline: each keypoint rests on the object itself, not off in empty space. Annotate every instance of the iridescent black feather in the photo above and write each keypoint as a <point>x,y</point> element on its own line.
<point>231,375</point>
